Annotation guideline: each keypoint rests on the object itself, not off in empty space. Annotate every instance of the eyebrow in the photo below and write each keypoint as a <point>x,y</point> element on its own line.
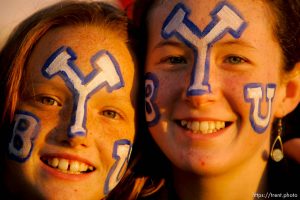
<point>180,44</point>
<point>169,43</point>
<point>235,42</point>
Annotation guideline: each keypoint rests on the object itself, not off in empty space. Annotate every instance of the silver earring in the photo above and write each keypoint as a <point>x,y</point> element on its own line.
<point>277,153</point>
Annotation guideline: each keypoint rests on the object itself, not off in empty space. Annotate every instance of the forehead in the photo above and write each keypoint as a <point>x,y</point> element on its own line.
<point>256,13</point>
<point>85,41</point>
<point>201,10</point>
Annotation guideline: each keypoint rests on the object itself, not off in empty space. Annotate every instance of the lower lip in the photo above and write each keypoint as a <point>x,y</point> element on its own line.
<point>56,173</point>
<point>200,136</point>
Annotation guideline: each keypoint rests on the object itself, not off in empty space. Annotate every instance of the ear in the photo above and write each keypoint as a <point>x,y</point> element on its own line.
<point>291,96</point>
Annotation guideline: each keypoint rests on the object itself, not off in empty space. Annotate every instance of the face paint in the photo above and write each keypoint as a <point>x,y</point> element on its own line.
<point>253,94</point>
<point>121,153</point>
<point>225,19</point>
<point>25,130</point>
<point>106,72</point>
<point>151,87</point>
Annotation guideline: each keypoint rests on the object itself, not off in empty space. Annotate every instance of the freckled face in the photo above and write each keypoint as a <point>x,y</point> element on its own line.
<point>210,132</point>
<point>62,165</point>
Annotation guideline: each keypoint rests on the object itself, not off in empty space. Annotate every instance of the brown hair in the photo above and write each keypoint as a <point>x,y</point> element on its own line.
<point>286,28</point>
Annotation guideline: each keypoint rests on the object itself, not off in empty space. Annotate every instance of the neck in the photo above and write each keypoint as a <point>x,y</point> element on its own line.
<point>242,182</point>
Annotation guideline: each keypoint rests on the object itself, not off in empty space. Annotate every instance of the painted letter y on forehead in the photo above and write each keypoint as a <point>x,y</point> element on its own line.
<point>106,72</point>
<point>224,20</point>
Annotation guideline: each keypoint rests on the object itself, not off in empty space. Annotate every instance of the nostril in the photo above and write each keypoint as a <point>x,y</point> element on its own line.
<point>78,141</point>
<point>84,145</point>
<point>199,100</point>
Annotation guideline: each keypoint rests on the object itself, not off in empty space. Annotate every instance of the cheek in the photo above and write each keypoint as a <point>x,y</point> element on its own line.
<point>151,91</point>
<point>24,133</point>
<point>232,89</point>
<point>253,101</point>
<point>120,154</point>
<point>161,92</point>
<point>172,87</point>
<point>106,130</point>
<point>114,144</point>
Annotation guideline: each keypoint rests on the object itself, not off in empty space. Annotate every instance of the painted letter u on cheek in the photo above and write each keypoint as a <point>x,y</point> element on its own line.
<point>225,19</point>
<point>121,153</point>
<point>253,93</point>
<point>106,72</point>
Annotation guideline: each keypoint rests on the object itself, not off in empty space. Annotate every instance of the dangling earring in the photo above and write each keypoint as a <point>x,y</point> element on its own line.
<point>277,153</point>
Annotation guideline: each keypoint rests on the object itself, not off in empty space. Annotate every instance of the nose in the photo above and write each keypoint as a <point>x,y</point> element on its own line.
<point>202,97</point>
<point>199,100</point>
<point>78,141</point>
<point>63,134</point>
<point>62,137</point>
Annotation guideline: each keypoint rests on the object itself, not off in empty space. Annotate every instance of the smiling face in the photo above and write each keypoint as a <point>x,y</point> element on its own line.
<point>75,121</point>
<point>213,83</point>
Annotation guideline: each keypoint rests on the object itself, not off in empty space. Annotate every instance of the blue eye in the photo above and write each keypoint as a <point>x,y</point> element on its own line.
<point>174,60</point>
<point>110,114</point>
<point>235,60</point>
<point>49,101</point>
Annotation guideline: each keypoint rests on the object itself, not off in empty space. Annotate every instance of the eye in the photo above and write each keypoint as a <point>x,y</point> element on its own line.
<point>49,101</point>
<point>110,114</point>
<point>174,60</point>
<point>235,60</point>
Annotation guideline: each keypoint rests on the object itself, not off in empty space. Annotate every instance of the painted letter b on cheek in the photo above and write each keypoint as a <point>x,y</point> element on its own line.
<point>151,109</point>
<point>24,132</point>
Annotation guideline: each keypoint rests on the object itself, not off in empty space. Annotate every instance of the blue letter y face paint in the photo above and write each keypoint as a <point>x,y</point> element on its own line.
<point>106,73</point>
<point>225,20</point>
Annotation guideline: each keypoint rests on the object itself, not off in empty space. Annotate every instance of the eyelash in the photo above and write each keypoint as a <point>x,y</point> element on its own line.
<point>237,60</point>
<point>174,60</point>
<point>48,101</point>
<point>231,59</point>
<point>111,114</point>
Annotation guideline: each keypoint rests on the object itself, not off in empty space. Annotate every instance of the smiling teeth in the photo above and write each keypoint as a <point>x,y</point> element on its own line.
<point>204,127</point>
<point>69,166</point>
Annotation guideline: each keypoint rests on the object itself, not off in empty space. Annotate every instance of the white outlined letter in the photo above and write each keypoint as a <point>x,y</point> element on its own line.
<point>151,109</point>
<point>121,153</point>
<point>224,20</point>
<point>25,130</point>
<point>253,93</point>
<point>106,72</point>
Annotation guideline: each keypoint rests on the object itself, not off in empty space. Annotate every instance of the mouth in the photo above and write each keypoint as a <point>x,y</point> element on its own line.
<point>202,127</point>
<point>67,166</point>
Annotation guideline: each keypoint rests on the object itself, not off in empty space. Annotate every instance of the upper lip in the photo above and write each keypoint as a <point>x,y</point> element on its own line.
<point>72,163</point>
<point>203,115</point>
<point>203,123</point>
<point>203,118</point>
